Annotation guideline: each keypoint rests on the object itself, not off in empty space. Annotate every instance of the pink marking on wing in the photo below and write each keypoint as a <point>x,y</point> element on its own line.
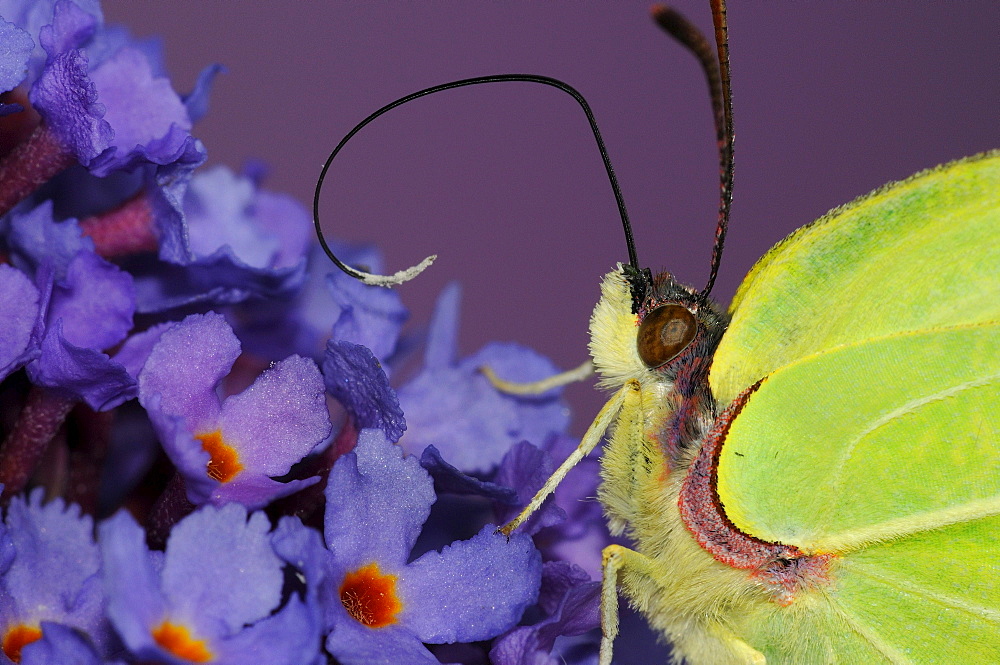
<point>785,569</point>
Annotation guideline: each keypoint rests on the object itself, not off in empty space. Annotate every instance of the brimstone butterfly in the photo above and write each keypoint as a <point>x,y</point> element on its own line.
<point>814,476</point>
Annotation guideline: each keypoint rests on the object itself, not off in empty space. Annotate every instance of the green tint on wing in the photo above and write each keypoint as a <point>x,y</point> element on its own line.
<point>868,442</point>
<point>918,254</point>
<point>887,453</point>
<point>931,598</point>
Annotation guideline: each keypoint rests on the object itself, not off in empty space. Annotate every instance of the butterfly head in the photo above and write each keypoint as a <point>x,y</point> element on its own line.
<point>646,328</point>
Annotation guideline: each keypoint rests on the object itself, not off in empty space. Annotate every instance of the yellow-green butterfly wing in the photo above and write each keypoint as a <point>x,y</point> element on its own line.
<point>896,472</point>
<point>876,435</point>
<point>912,255</point>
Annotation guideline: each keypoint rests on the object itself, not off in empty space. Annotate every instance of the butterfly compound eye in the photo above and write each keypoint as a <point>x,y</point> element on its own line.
<point>664,333</point>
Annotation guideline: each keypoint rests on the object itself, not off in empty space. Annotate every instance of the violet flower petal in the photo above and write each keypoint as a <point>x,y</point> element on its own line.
<point>95,302</point>
<point>186,452</point>
<point>71,26</point>
<point>377,500</point>
<point>219,208</point>
<point>60,644</point>
<point>279,419</point>
<point>450,480</point>
<point>185,367</point>
<point>67,99</point>
<point>91,309</point>
<point>218,279</point>
<point>136,349</point>
<point>20,298</point>
<point>33,16</point>
<point>80,373</point>
<point>149,120</point>
<point>284,217</point>
<point>15,50</point>
<point>34,237</point>
<point>472,589</point>
<point>573,608</point>
<point>442,337</point>
<point>355,378</point>
<point>354,644</point>
<point>251,490</point>
<point>64,94</point>
<point>473,424</point>
<point>369,315</point>
<point>303,548</point>
<point>300,324</point>
<point>537,416</point>
<point>526,468</point>
<point>288,637</point>
<point>55,573</point>
<point>166,200</point>
<point>455,408</point>
<point>220,579</point>
<point>196,101</point>
<point>220,569</point>
<point>135,601</point>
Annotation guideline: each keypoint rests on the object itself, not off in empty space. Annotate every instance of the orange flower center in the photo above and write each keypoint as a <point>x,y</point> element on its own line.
<point>370,597</point>
<point>178,640</point>
<point>225,461</point>
<point>18,637</point>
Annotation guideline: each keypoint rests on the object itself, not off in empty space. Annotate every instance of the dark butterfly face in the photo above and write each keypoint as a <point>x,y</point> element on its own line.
<point>673,324</point>
<point>669,329</point>
<point>664,333</point>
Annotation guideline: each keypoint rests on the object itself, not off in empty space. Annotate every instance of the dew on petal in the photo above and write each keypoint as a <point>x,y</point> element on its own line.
<point>370,596</point>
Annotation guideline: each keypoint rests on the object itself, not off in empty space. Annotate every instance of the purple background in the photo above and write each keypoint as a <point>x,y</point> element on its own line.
<point>503,181</point>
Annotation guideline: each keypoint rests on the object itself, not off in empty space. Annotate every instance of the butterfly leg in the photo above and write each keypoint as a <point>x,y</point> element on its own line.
<point>590,439</point>
<point>616,559</point>
<point>538,387</point>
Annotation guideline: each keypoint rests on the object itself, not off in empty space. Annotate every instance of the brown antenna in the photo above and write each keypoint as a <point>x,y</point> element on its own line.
<point>716,68</point>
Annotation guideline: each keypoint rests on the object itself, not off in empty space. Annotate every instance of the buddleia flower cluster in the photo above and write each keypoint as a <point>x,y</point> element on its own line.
<point>215,447</point>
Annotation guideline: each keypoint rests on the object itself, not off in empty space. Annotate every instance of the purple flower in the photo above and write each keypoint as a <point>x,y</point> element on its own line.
<point>34,237</point>
<point>378,607</point>
<point>214,595</point>
<point>21,319</point>
<point>101,102</point>
<point>63,92</point>
<point>111,114</point>
<point>98,165</point>
<point>15,50</point>
<point>571,602</point>
<point>451,405</point>
<point>238,241</point>
<point>90,309</point>
<point>229,450</point>
<point>60,644</point>
<point>356,379</point>
<point>262,229</point>
<point>370,316</point>
<point>54,575</point>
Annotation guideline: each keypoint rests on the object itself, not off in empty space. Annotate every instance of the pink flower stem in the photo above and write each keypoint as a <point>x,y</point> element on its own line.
<point>43,414</point>
<point>126,229</point>
<point>31,164</point>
